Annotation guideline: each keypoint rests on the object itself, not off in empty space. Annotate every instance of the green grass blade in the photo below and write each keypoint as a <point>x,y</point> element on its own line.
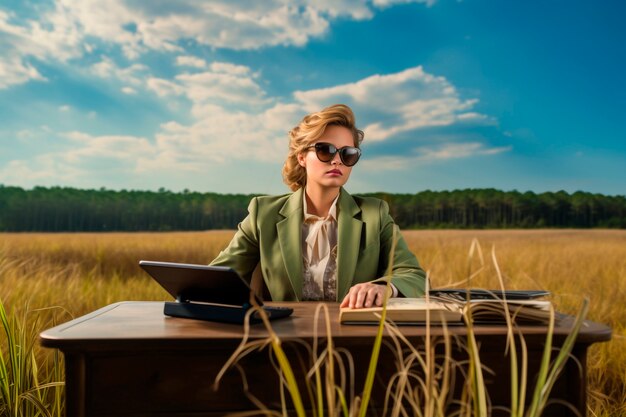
<point>550,373</point>
<point>371,370</point>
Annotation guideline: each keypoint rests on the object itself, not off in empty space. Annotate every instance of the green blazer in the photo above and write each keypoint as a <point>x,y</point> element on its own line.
<point>271,235</point>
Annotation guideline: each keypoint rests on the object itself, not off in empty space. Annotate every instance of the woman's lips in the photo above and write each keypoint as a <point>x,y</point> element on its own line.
<point>334,172</point>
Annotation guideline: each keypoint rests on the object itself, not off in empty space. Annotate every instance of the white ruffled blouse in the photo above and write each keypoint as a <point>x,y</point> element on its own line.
<point>319,253</point>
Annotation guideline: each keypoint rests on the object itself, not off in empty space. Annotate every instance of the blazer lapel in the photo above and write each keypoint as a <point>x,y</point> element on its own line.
<point>290,239</point>
<point>348,242</point>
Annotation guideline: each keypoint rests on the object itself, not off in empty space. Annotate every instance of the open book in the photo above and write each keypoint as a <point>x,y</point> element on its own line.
<point>438,310</point>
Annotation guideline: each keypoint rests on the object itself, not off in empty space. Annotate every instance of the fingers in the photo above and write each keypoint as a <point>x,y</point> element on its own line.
<point>365,295</point>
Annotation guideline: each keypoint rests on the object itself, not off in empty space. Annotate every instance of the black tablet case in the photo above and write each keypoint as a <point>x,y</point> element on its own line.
<point>481,294</point>
<point>203,292</point>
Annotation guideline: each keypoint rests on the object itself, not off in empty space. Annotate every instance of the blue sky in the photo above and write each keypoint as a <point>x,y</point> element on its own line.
<point>129,94</point>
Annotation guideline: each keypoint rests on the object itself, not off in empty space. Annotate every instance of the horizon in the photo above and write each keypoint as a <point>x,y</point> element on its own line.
<point>183,191</point>
<point>452,95</point>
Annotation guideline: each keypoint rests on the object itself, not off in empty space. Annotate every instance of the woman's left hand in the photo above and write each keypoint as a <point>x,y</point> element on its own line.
<point>365,295</point>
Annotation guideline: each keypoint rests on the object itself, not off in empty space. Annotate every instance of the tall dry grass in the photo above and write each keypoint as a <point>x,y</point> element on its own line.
<point>82,272</point>
<point>571,264</point>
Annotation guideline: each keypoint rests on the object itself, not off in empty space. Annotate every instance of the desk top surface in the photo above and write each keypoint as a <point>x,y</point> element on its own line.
<point>133,323</point>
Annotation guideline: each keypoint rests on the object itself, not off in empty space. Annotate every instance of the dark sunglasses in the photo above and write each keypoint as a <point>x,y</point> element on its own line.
<point>325,152</point>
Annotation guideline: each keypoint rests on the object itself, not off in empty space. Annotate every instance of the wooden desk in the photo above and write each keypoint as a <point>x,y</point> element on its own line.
<point>128,359</point>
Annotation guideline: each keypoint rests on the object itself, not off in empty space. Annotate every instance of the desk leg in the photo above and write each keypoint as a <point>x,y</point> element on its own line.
<point>578,374</point>
<point>75,372</point>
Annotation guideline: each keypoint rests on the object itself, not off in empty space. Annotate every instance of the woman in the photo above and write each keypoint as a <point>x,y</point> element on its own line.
<point>319,242</point>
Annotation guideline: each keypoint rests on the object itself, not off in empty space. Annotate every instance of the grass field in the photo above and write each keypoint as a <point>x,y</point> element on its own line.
<point>78,273</point>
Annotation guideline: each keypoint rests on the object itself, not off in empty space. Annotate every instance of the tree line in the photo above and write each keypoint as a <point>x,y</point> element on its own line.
<point>63,209</point>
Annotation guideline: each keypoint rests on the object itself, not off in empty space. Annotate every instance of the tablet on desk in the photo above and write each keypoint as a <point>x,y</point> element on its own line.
<point>205,292</point>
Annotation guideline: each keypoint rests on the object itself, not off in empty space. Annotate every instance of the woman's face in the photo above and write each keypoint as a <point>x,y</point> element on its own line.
<point>332,174</point>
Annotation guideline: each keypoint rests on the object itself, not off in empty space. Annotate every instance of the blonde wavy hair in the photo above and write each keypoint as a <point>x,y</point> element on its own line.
<point>309,130</point>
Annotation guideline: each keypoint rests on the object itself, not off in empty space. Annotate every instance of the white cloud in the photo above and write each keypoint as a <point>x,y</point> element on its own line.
<point>232,25</point>
<point>14,71</point>
<point>106,21</point>
<point>221,137</point>
<point>72,28</point>
<point>228,68</point>
<point>65,108</point>
<point>106,146</point>
<point>133,74</point>
<point>164,87</point>
<point>388,3</point>
<point>458,150</point>
<point>54,37</point>
<point>223,84</point>
<point>399,102</point>
<point>40,170</point>
<point>431,154</point>
<point>471,116</point>
<point>85,160</point>
<point>190,61</point>
<point>220,88</point>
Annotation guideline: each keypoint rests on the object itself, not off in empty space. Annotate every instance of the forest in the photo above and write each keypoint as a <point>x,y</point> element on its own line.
<point>63,209</point>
